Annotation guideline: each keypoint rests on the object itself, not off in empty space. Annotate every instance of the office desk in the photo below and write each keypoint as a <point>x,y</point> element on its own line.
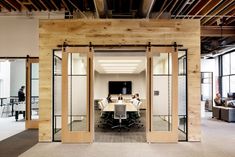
<point>129,107</point>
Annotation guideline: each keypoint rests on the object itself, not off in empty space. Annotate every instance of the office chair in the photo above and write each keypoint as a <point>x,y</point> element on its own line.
<point>120,114</point>
<point>134,119</point>
<point>104,116</point>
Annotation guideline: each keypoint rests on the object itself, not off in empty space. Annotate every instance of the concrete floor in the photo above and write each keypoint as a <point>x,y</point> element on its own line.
<point>218,140</point>
<point>9,126</point>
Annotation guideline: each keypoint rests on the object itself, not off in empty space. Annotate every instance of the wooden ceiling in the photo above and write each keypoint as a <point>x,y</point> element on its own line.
<point>217,16</point>
<point>210,12</point>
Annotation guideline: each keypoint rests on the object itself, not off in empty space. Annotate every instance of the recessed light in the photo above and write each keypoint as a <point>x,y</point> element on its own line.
<point>118,64</point>
<point>119,68</point>
<point>119,61</point>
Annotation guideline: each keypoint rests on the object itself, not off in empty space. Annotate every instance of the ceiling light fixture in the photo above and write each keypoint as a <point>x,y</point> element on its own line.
<point>119,61</point>
<point>118,64</point>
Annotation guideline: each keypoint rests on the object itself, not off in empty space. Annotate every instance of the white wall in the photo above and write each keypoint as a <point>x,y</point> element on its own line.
<point>101,83</point>
<point>19,37</point>
<point>18,76</point>
<point>4,79</point>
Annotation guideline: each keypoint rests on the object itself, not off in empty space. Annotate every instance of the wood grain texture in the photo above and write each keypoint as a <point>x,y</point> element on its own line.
<point>54,32</point>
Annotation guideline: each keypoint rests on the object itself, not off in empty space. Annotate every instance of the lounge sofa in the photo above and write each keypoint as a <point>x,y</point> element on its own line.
<point>226,113</point>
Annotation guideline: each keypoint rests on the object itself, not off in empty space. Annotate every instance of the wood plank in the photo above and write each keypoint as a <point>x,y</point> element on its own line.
<point>100,8</point>
<point>14,5</point>
<point>146,7</point>
<point>217,11</point>
<point>215,31</point>
<point>54,32</point>
<point>222,13</point>
<point>209,7</point>
<point>201,5</point>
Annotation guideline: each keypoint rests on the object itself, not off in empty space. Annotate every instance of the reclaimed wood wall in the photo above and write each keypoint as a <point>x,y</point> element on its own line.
<point>142,31</point>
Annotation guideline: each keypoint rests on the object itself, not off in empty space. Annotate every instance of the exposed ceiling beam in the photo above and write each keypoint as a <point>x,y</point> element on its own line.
<point>172,7</point>
<point>199,7</point>
<point>217,11</point>
<point>182,7</point>
<point>54,4</point>
<point>232,15</point>
<point>66,6</point>
<point>223,13</point>
<point>209,8</point>
<point>100,6</point>
<point>163,8</point>
<point>13,4</point>
<point>146,7</point>
<point>44,5</point>
<point>231,20</point>
<point>22,5</point>
<point>5,6</point>
<point>34,6</point>
<point>215,31</point>
<point>186,15</point>
<point>75,6</point>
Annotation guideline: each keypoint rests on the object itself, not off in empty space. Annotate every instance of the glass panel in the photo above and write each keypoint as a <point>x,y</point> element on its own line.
<point>233,63</point>
<point>182,94</point>
<point>34,90</point>
<point>162,115</point>
<point>57,96</point>
<point>225,86</point>
<point>232,83</point>
<point>226,64</point>
<point>77,95</point>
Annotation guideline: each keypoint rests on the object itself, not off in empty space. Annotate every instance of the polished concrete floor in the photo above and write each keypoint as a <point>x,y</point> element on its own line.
<point>218,140</point>
<point>9,126</point>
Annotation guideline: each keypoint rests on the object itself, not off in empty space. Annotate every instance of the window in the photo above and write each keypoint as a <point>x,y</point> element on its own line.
<point>227,73</point>
<point>232,83</point>
<point>225,85</point>
<point>233,63</point>
<point>226,64</point>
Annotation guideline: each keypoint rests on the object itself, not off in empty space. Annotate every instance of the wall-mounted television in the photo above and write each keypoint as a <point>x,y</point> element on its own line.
<point>120,87</point>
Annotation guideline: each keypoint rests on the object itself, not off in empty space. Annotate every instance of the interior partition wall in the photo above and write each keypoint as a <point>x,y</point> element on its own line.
<point>101,32</point>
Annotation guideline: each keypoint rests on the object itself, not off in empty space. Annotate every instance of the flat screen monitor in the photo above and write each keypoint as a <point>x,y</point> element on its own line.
<point>120,87</point>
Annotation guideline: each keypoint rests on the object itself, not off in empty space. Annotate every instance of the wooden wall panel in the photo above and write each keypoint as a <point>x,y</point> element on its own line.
<point>54,32</point>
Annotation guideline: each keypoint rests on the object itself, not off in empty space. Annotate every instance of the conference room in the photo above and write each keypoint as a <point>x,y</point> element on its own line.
<point>119,93</point>
<point>120,96</point>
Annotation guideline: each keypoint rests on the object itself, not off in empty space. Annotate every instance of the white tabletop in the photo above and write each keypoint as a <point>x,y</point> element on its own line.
<point>129,107</point>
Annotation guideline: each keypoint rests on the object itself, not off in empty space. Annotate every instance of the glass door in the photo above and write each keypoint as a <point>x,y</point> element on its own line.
<point>32,93</point>
<point>162,83</point>
<point>77,95</point>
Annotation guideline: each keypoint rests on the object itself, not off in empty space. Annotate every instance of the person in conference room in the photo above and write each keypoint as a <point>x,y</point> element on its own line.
<point>120,97</point>
<point>21,98</point>
<point>137,96</point>
<point>109,99</point>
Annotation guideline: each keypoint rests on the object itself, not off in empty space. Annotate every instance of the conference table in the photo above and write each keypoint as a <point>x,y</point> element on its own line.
<point>129,107</point>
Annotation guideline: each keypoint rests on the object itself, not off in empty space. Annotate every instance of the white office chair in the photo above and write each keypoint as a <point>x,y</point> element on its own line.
<point>138,107</point>
<point>104,116</point>
<point>120,114</point>
<point>135,102</point>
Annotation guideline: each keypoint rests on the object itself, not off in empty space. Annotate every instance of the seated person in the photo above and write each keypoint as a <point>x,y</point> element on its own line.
<point>218,100</point>
<point>120,97</point>
<point>109,99</point>
<point>137,96</point>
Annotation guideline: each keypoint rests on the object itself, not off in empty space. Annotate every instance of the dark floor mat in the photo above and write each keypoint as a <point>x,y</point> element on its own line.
<point>19,143</point>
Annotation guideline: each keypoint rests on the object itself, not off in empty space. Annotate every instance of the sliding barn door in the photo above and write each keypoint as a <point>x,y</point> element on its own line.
<point>162,92</point>
<point>77,95</point>
<point>32,93</point>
